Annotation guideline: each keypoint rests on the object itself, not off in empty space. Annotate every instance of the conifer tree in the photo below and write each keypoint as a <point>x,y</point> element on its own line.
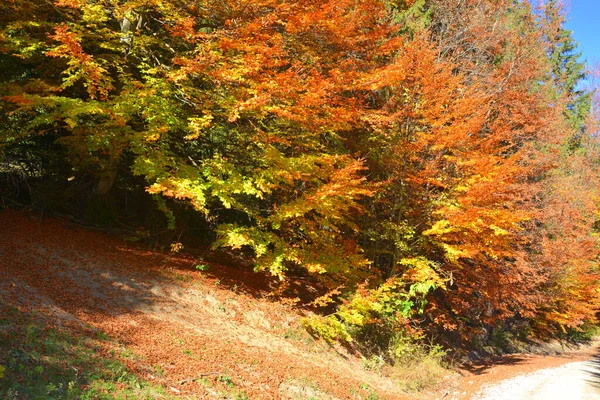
<point>568,71</point>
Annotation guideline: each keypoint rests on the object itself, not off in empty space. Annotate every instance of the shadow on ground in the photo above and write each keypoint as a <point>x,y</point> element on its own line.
<point>480,367</point>
<point>592,371</point>
<point>50,265</point>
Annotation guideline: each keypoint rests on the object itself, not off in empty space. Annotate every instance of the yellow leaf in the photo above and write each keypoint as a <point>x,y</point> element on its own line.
<point>439,228</point>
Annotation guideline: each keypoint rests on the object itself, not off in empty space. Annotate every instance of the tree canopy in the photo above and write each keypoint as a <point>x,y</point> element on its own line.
<point>430,161</point>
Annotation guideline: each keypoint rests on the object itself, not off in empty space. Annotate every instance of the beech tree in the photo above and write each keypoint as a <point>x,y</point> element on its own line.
<point>415,156</point>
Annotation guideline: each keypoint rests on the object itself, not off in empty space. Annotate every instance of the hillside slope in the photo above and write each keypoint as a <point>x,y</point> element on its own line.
<point>190,332</point>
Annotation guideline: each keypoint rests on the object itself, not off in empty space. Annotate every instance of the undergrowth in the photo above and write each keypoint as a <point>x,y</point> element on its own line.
<point>376,323</point>
<point>42,362</point>
<point>416,365</point>
<point>388,349</point>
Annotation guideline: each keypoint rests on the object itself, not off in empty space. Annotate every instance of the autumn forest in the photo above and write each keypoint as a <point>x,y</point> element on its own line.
<point>432,166</point>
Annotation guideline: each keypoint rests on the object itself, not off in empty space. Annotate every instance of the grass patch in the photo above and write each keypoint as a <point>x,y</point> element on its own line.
<point>42,362</point>
<point>419,366</point>
<point>414,364</point>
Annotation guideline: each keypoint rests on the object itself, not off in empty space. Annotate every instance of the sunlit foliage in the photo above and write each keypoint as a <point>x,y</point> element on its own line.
<point>428,160</point>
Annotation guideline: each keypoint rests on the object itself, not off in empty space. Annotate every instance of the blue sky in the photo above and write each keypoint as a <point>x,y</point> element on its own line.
<point>584,20</point>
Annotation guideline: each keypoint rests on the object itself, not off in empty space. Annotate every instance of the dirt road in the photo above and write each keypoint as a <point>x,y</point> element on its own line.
<point>576,380</point>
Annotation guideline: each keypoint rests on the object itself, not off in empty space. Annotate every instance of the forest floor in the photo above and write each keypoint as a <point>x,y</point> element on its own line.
<point>83,309</point>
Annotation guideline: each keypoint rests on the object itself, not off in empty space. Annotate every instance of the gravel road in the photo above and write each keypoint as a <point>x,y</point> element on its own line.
<point>576,381</point>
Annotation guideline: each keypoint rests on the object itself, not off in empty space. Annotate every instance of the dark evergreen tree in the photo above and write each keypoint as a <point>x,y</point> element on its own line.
<point>568,71</point>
